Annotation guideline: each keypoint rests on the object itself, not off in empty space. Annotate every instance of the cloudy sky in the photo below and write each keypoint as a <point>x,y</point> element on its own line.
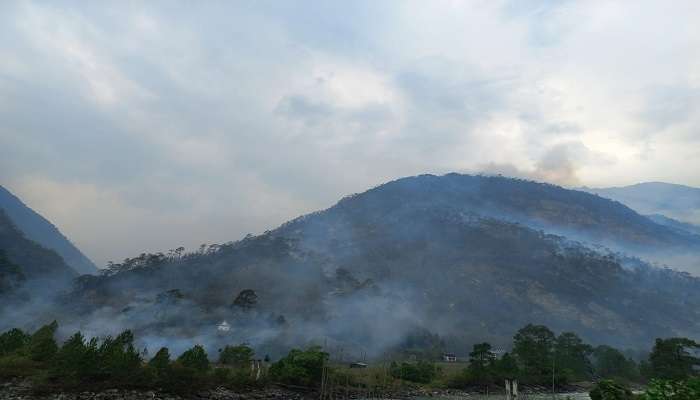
<point>140,126</point>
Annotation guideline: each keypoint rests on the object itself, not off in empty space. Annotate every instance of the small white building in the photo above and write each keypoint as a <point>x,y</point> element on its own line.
<point>449,357</point>
<point>223,327</point>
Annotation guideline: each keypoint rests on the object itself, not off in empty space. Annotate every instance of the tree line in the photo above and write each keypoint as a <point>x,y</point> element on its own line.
<point>538,357</point>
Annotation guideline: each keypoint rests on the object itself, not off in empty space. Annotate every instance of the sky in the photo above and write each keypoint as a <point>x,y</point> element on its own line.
<point>143,126</point>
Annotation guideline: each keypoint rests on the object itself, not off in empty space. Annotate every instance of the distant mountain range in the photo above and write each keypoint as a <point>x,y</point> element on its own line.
<point>465,257</point>
<point>40,230</point>
<point>678,202</point>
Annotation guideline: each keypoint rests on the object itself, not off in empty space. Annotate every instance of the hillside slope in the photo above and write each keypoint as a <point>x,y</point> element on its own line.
<point>40,230</point>
<point>441,254</point>
<point>35,262</point>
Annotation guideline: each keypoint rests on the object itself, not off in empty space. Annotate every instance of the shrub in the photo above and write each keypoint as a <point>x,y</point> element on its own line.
<point>41,345</point>
<point>236,356</point>
<point>673,390</point>
<point>15,365</point>
<point>610,390</point>
<point>195,358</point>
<point>300,367</point>
<point>161,361</point>
<point>12,341</point>
<point>119,361</point>
<point>420,372</point>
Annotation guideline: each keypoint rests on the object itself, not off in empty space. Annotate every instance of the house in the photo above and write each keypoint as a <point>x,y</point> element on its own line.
<point>449,357</point>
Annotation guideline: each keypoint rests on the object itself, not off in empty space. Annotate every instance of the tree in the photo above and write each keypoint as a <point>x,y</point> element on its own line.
<point>160,361</point>
<point>246,299</point>
<point>506,367</point>
<point>195,358</point>
<point>671,358</point>
<point>481,361</point>
<point>41,345</point>
<point>12,340</point>
<point>119,358</point>
<point>300,367</point>
<point>572,356</point>
<point>533,348</point>
<point>236,356</point>
<point>611,363</point>
<point>69,358</point>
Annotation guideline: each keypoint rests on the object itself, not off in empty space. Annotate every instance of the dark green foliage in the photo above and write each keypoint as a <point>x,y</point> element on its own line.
<point>12,340</point>
<point>611,363</point>
<point>610,390</point>
<point>42,346</point>
<point>113,361</point>
<point>300,367</point>
<point>660,389</point>
<point>533,347</point>
<point>16,365</point>
<point>419,372</point>
<point>236,356</point>
<point>481,363</point>
<point>119,358</point>
<point>573,357</point>
<point>672,359</point>
<point>195,358</point>
<point>182,379</point>
<point>76,361</point>
<point>161,360</point>
<point>506,368</point>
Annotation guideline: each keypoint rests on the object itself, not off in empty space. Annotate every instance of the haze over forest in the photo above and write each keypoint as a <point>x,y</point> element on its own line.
<point>399,181</point>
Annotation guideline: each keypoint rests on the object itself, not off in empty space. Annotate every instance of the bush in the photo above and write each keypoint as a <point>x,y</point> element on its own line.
<point>673,390</point>
<point>161,361</point>
<point>42,346</point>
<point>14,366</point>
<point>12,341</point>
<point>610,390</point>
<point>420,372</point>
<point>300,367</point>
<point>195,358</point>
<point>236,356</point>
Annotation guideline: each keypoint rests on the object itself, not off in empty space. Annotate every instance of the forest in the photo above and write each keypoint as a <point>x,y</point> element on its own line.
<point>538,358</point>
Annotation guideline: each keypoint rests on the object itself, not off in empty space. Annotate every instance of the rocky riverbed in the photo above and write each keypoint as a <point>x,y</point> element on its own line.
<point>22,390</point>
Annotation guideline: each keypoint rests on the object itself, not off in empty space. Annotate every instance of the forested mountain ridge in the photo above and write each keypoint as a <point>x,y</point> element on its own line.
<point>460,256</point>
<point>31,260</point>
<point>40,230</point>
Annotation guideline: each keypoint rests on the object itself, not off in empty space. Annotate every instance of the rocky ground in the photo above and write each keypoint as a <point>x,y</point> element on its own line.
<point>19,390</point>
<point>22,390</point>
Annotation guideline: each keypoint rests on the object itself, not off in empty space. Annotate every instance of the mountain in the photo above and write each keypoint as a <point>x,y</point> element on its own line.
<point>675,201</point>
<point>38,229</point>
<point>464,257</point>
<point>27,260</point>
<point>681,227</point>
